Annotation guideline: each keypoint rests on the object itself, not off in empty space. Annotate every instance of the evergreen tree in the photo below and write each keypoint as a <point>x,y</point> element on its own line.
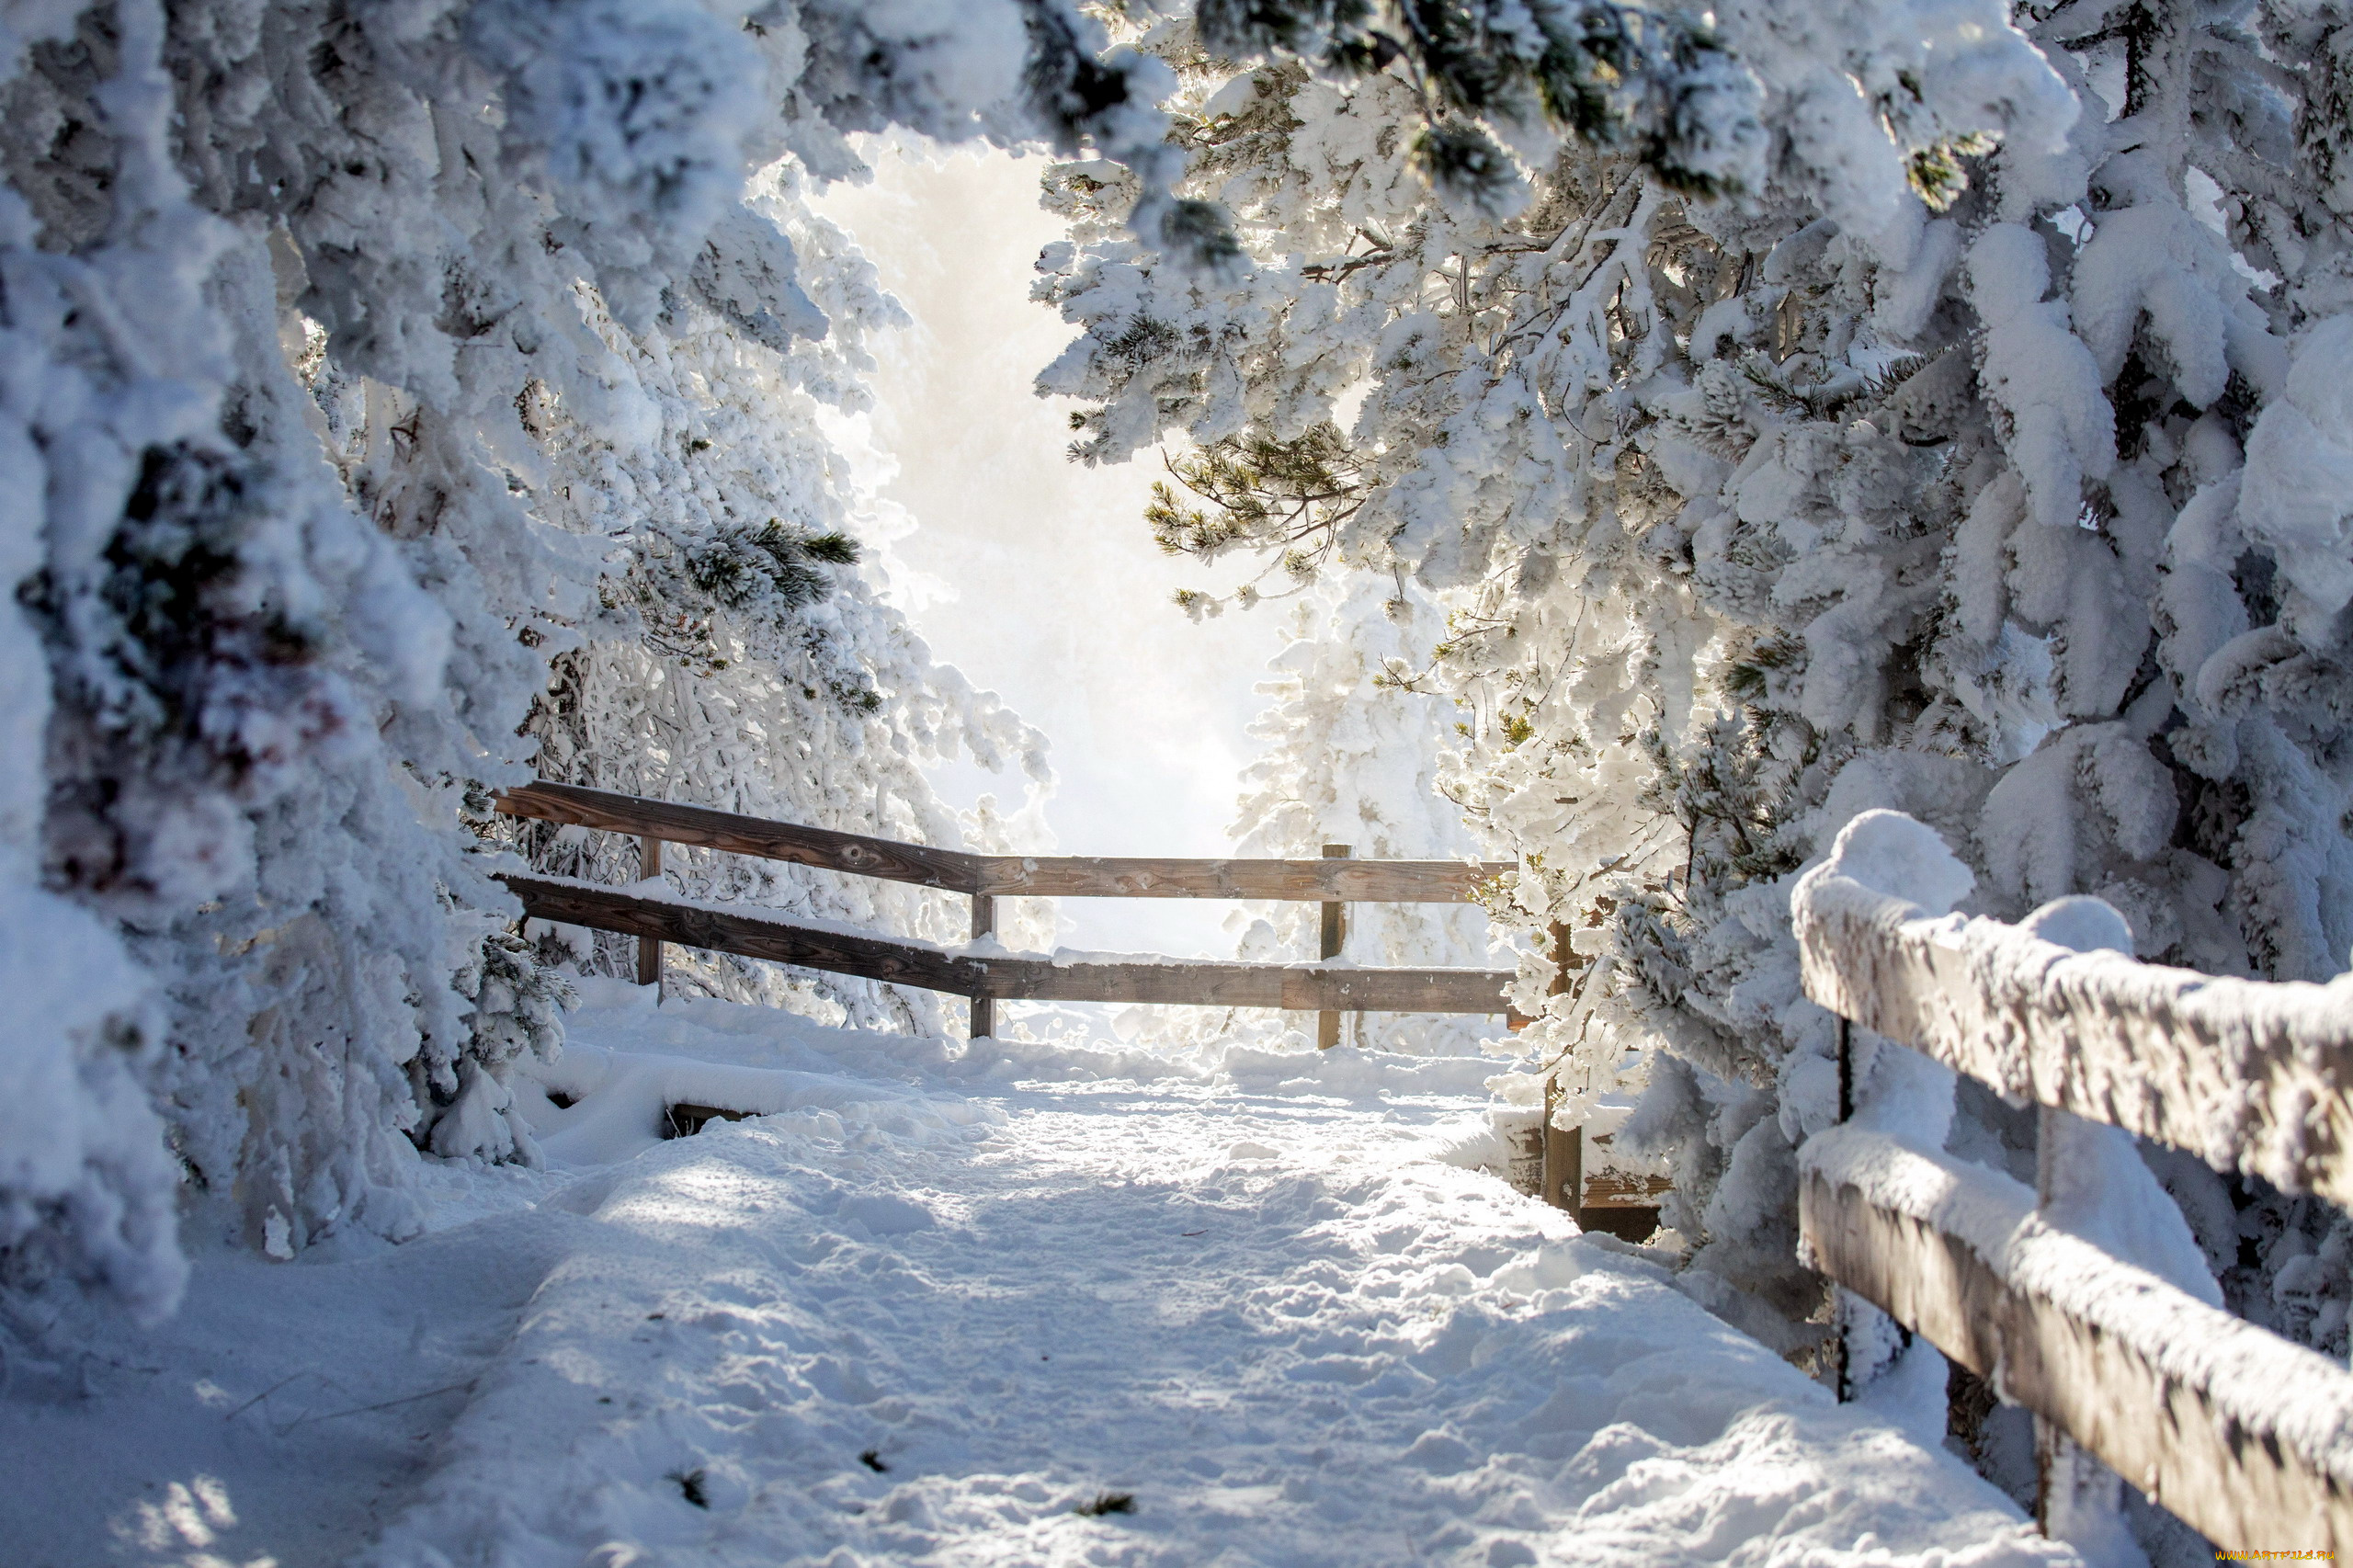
<point>1343,761</point>
<point>538,285</point>
<point>1977,457</point>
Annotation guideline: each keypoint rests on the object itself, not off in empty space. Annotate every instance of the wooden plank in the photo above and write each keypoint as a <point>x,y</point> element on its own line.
<point>1615,1189</point>
<point>1300,988</point>
<point>1048,876</point>
<point>2247,1438</point>
<point>1295,987</point>
<point>683,1118</point>
<point>869,958</point>
<point>1607,1187</point>
<point>2249,1076</point>
<point>1350,881</point>
<point>1525,1167</point>
<point>736,835</point>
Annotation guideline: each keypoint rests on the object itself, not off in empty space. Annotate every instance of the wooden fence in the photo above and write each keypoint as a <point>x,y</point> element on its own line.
<point>1333,880</point>
<point>2244,1436</point>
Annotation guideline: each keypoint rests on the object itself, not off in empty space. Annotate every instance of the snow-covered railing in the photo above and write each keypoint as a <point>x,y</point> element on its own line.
<point>2246,1436</point>
<point>989,976</point>
<point>2248,1076</point>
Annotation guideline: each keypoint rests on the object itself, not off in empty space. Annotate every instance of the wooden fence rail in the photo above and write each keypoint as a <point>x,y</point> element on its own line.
<point>2248,1075</point>
<point>988,979</point>
<point>2247,1437</point>
<point>1037,876</point>
<point>1299,987</point>
<point>2242,1435</point>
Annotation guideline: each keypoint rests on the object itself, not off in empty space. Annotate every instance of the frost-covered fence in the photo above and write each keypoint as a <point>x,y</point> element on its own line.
<point>984,973</point>
<point>2247,1437</point>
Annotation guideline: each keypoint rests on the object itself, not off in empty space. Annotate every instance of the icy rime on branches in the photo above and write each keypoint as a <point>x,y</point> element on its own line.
<point>399,398</point>
<point>1984,452</point>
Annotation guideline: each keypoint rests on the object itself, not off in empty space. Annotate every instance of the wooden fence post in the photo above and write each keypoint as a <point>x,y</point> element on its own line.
<point>984,925</point>
<point>1335,935</point>
<point>1563,1150</point>
<point>1563,1158</point>
<point>649,949</point>
<point>1844,1383</point>
<point>2077,1499</point>
<point>1846,1070</point>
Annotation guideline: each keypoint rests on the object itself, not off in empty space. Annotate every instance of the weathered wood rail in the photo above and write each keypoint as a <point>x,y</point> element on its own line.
<point>989,979</point>
<point>2242,1435</point>
<point>2248,1075</point>
<point>1299,987</point>
<point>1022,876</point>
<point>2232,1428</point>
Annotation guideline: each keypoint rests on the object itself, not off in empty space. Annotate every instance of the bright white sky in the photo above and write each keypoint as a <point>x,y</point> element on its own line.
<point>1035,576</point>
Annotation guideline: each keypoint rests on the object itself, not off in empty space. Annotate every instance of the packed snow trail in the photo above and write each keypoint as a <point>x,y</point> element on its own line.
<point>937,1309</point>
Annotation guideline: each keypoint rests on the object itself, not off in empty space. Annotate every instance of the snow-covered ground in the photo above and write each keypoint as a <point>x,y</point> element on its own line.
<point>1024,1305</point>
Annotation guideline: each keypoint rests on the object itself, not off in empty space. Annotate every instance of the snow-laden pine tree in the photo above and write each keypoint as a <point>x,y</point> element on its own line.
<point>1343,762</point>
<point>401,398</point>
<point>1972,441</point>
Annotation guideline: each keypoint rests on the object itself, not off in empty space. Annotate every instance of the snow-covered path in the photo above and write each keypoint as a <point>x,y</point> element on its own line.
<point>928,1315</point>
